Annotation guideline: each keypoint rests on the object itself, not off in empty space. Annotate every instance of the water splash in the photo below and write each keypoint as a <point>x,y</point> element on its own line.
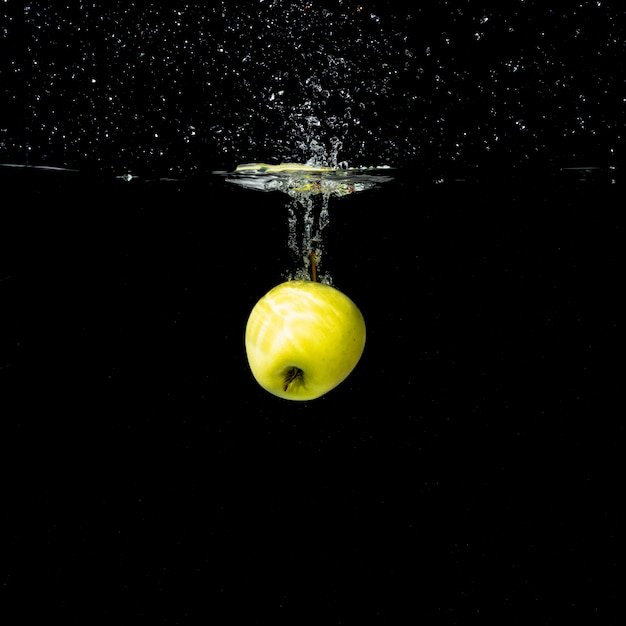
<point>310,187</point>
<point>310,178</point>
<point>312,82</point>
<point>171,90</point>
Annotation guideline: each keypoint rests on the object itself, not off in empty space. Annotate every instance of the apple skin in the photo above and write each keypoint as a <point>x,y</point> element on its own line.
<point>303,338</point>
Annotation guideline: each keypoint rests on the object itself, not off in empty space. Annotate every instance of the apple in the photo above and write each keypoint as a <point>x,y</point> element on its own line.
<point>303,338</point>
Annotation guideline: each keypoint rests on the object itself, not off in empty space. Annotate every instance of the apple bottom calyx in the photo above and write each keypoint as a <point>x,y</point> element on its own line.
<point>303,338</point>
<point>293,376</point>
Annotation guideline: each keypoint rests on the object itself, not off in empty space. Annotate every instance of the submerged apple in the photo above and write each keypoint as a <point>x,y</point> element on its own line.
<point>303,338</point>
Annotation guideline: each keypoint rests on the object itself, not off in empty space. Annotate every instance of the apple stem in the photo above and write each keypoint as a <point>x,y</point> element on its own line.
<point>312,257</point>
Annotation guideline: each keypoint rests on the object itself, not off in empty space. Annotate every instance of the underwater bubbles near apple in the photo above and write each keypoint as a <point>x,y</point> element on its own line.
<point>305,336</point>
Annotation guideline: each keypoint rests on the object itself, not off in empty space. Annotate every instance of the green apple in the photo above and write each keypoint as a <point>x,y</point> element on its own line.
<point>303,338</point>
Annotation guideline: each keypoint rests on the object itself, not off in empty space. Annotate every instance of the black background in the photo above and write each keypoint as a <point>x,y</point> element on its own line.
<point>468,469</point>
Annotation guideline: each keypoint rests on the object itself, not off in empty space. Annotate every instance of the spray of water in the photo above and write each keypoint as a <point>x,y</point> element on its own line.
<point>309,187</point>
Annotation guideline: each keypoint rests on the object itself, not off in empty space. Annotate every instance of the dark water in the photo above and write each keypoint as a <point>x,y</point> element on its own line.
<point>470,464</point>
